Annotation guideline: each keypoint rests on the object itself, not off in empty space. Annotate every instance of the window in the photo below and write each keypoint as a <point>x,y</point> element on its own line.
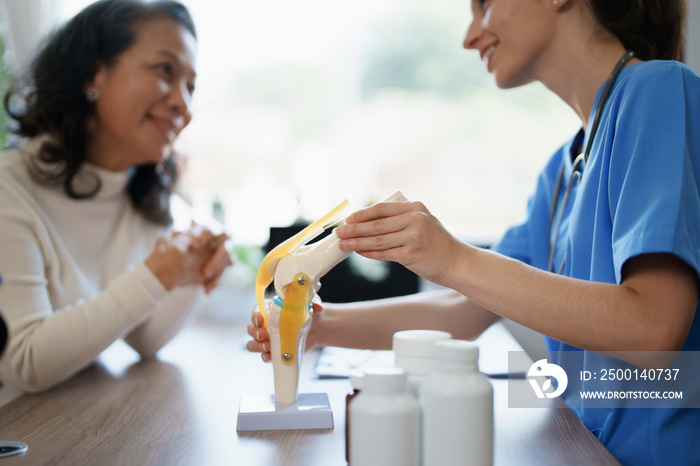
<point>302,104</point>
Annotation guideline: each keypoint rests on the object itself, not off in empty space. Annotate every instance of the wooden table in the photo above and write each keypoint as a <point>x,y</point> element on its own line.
<point>181,408</point>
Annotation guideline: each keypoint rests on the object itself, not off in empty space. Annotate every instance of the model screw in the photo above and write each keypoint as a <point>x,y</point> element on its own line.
<point>287,356</point>
<point>301,280</point>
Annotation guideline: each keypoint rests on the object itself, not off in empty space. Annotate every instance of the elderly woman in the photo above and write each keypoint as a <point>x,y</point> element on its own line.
<point>88,256</point>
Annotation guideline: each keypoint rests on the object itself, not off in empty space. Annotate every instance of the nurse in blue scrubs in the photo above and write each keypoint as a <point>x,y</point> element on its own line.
<point>609,255</point>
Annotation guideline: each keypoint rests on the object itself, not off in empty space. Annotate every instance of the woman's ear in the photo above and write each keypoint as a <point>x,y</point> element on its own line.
<point>558,4</point>
<point>97,77</point>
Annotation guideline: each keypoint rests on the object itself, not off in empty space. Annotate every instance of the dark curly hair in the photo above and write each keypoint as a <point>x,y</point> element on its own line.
<point>51,100</point>
<point>653,29</point>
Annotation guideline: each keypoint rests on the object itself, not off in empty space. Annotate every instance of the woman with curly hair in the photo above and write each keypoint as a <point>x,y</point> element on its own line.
<point>88,252</point>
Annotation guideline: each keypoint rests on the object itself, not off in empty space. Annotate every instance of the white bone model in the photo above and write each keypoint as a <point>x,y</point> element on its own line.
<point>297,269</point>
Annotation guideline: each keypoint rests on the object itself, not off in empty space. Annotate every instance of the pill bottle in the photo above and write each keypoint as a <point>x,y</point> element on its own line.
<point>356,378</point>
<point>457,408</point>
<point>413,352</point>
<point>384,420</point>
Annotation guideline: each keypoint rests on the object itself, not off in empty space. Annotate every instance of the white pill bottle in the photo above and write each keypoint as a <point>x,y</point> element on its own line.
<point>457,402</point>
<point>414,352</point>
<point>384,420</point>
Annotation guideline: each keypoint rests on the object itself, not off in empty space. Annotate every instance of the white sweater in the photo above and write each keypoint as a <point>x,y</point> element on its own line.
<point>74,278</point>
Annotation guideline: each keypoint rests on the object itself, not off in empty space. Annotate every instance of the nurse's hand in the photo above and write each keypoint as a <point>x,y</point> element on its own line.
<point>403,232</point>
<point>261,339</point>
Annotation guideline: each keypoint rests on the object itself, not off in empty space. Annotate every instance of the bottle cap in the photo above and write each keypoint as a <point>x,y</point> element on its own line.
<point>417,343</point>
<point>456,351</point>
<point>357,379</point>
<point>384,380</point>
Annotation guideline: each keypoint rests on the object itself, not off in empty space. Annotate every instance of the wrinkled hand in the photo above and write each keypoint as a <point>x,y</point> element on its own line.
<point>261,339</point>
<point>196,256</point>
<point>203,240</point>
<point>403,232</point>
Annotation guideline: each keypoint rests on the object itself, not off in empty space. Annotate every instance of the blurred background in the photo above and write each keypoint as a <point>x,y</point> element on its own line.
<point>302,104</point>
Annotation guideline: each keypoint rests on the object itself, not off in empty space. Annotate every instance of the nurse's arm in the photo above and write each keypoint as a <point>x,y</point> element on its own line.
<point>650,310</point>
<point>371,324</point>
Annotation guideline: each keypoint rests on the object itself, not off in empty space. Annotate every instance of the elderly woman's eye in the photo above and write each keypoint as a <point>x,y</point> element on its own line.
<point>166,69</point>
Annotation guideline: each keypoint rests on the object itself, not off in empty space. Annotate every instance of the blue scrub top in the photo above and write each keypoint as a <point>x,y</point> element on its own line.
<point>640,194</point>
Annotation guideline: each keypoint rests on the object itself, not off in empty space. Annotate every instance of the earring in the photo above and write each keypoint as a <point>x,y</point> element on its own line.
<point>92,95</point>
<point>558,2</point>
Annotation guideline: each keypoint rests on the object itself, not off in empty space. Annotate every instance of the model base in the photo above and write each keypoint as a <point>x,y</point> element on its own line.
<point>260,412</point>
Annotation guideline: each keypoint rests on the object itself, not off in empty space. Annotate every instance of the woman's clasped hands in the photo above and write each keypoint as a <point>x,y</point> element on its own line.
<point>192,257</point>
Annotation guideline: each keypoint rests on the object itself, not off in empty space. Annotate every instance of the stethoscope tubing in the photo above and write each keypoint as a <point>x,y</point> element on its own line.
<point>581,159</point>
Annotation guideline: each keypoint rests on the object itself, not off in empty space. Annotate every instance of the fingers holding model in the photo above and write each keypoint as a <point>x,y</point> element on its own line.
<point>404,232</point>
<point>260,342</point>
<point>261,339</point>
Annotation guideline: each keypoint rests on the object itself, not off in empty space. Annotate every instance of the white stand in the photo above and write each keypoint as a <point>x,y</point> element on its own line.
<point>260,412</point>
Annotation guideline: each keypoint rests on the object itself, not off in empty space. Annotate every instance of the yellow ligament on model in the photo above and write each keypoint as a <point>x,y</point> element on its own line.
<point>269,263</point>
<point>293,315</point>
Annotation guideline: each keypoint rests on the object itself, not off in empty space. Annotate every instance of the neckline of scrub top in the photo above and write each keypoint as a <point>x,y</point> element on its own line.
<point>568,161</point>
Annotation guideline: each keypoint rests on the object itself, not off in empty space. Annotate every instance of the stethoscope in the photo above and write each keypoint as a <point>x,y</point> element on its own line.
<point>578,165</point>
